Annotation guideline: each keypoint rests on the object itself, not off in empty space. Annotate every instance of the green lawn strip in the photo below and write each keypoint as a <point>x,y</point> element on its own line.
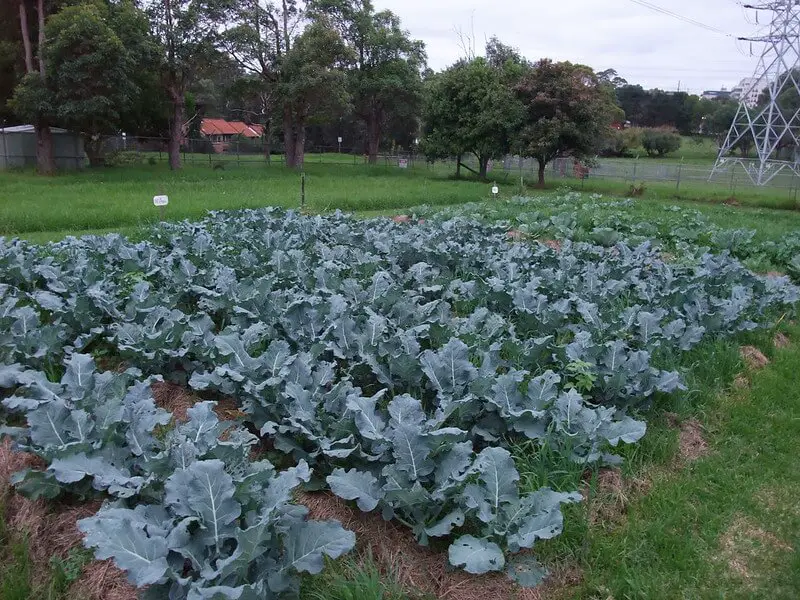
<point>725,526</point>
<point>768,224</point>
<point>118,197</point>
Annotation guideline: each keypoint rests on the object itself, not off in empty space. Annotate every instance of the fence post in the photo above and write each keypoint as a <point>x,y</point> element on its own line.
<point>680,168</point>
<point>302,190</point>
<point>635,164</point>
<point>237,152</point>
<point>733,174</point>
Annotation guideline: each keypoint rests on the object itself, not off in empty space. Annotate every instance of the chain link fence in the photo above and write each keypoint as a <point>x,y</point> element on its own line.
<point>223,152</point>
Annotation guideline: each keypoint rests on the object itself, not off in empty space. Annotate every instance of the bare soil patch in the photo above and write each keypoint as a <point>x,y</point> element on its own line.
<point>748,550</point>
<point>612,497</point>
<point>178,400</point>
<point>753,357</point>
<point>552,244</point>
<point>51,530</point>
<point>780,341</point>
<point>421,570</point>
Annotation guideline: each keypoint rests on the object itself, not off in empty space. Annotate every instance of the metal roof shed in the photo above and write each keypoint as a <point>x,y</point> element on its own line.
<point>18,148</point>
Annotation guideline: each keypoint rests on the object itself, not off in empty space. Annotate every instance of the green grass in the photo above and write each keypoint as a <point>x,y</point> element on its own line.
<point>726,526</point>
<point>120,198</point>
<point>352,579</point>
<point>116,198</point>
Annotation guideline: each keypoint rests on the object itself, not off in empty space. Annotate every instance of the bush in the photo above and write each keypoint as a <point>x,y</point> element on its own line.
<point>622,142</point>
<point>123,158</point>
<point>658,142</point>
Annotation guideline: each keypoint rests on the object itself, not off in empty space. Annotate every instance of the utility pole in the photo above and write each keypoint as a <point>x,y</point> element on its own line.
<point>769,127</point>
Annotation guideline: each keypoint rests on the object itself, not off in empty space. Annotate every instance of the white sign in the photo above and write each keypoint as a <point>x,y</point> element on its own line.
<point>495,190</point>
<point>340,140</point>
<point>403,163</point>
<point>160,200</point>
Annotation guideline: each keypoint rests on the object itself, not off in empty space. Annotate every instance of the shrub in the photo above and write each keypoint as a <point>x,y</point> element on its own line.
<point>658,142</point>
<point>621,143</point>
<point>122,158</point>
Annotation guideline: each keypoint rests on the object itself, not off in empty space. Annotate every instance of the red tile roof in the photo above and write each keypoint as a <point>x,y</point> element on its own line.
<point>223,127</point>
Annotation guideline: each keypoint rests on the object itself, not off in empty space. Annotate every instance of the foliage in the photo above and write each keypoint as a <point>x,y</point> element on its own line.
<point>470,108</point>
<point>91,72</point>
<point>622,142</point>
<point>384,81</point>
<point>567,112</point>
<point>660,142</point>
<point>190,494</point>
<point>656,108</point>
<point>400,361</point>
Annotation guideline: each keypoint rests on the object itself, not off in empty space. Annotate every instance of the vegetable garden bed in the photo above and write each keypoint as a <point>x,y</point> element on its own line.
<point>396,365</point>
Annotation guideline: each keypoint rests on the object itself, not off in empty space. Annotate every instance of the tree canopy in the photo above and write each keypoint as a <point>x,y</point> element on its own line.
<point>567,112</point>
<point>472,108</point>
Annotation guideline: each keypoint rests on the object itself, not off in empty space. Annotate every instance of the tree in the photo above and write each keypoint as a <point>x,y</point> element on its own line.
<point>612,78</point>
<point>188,31</point>
<point>567,112</point>
<point>30,100</point>
<point>260,35</point>
<point>385,81</point>
<point>658,142</point>
<point>471,108</point>
<point>91,73</point>
<point>11,60</point>
<point>313,84</point>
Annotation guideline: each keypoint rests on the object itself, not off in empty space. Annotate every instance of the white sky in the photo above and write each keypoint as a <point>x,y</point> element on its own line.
<point>644,46</point>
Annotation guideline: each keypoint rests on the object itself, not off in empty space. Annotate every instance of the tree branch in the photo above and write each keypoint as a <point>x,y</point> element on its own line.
<point>26,36</point>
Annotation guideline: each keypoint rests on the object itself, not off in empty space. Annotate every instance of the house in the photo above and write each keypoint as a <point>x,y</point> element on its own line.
<point>18,148</point>
<point>221,132</point>
<point>722,94</point>
<point>749,90</point>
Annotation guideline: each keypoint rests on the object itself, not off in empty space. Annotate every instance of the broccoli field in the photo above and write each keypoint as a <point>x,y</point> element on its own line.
<point>399,365</point>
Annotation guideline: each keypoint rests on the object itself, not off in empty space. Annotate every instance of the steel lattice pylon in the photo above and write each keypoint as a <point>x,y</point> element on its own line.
<point>770,127</point>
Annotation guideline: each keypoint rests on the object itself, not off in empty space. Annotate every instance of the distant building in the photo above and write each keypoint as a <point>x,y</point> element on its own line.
<point>722,94</point>
<point>749,90</point>
<point>18,148</point>
<point>221,132</point>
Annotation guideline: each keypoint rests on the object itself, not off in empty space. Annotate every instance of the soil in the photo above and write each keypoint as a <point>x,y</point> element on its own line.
<point>51,530</point>
<point>780,341</point>
<point>753,357</point>
<point>419,569</point>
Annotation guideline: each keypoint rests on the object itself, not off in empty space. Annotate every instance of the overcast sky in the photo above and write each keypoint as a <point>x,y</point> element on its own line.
<point>645,47</point>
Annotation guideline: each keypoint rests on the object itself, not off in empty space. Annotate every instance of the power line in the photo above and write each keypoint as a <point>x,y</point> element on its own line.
<point>680,17</point>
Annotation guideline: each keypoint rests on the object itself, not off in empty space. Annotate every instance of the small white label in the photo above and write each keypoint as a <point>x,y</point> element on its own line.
<point>403,163</point>
<point>340,140</point>
<point>495,190</point>
<point>160,200</point>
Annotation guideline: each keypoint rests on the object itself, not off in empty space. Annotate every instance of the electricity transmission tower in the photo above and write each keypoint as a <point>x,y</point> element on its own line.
<point>773,126</point>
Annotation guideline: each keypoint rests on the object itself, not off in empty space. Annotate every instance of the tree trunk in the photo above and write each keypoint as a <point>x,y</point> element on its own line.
<point>373,136</point>
<point>542,166</point>
<point>300,145</point>
<point>40,49</point>
<point>268,141</point>
<point>176,130</point>
<point>289,142</point>
<point>26,36</point>
<point>94,151</point>
<point>45,163</point>
<point>483,163</point>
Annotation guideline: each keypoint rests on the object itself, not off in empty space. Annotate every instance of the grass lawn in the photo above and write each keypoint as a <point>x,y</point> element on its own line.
<point>120,199</point>
<point>724,526</point>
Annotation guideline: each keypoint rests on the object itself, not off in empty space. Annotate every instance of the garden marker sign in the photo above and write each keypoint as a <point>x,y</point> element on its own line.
<point>161,202</point>
<point>403,163</point>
